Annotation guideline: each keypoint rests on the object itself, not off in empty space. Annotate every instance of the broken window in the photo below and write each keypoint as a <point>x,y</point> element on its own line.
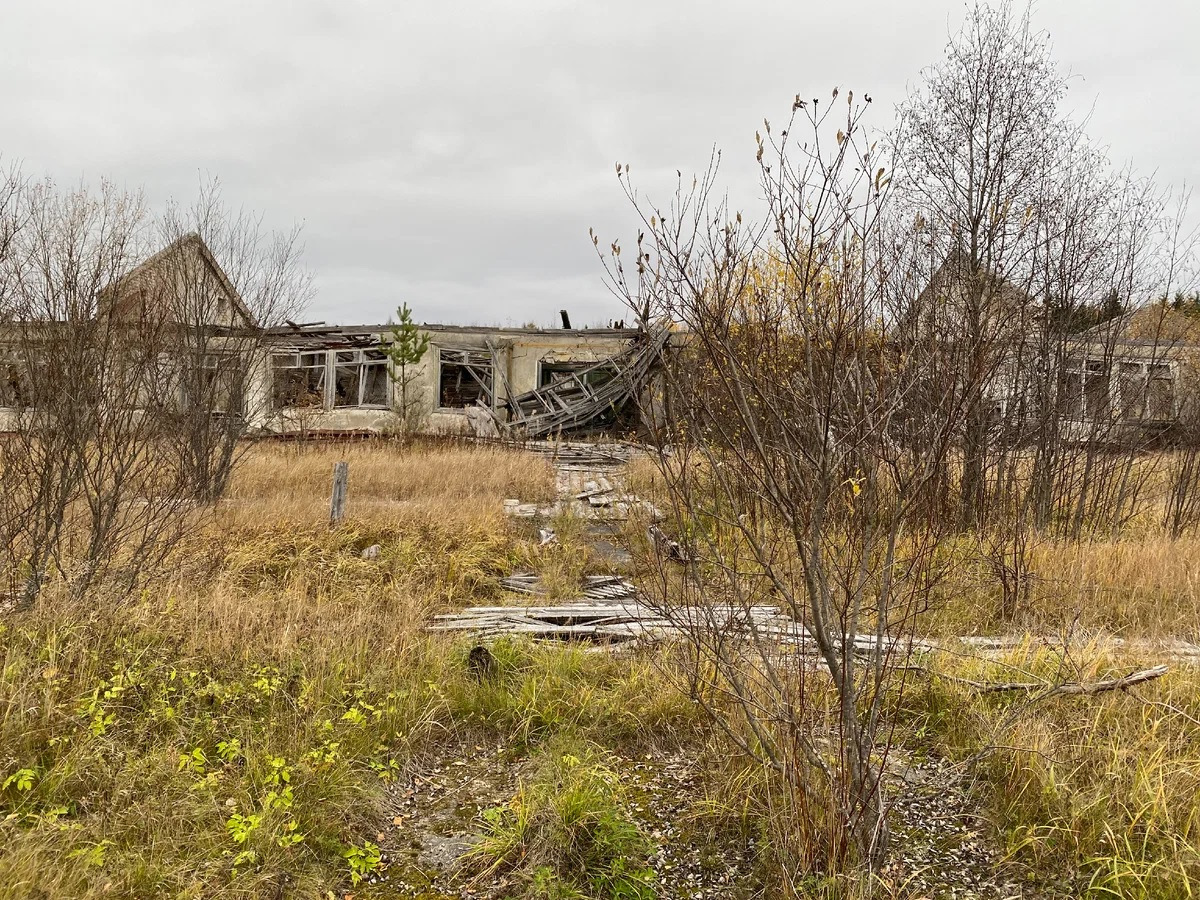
<point>1160,393</point>
<point>465,378</point>
<point>360,378</point>
<point>14,382</point>
<point>159,378</point>
<point>219,388</point>
<point>590,373</point>
<point>1095,390</point>
<point>1071,395</point>
<point>298,379</point>
<point>1131,390</point>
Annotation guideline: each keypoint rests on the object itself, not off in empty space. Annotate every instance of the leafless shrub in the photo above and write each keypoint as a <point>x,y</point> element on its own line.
<point>221,280</point>
<point>122,380</point>
<point>805,436</point>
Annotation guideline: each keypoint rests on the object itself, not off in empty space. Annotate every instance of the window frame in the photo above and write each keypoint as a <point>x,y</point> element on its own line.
<point>469,359</point>
<point>299,365</point>
<point>358,358</point>
<point>363,359</point>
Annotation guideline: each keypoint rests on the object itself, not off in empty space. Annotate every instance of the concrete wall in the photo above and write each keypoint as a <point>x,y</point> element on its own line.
<point>518,355</point>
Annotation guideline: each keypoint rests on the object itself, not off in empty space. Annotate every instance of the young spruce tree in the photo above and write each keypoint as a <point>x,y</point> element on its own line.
<point>406,347</point>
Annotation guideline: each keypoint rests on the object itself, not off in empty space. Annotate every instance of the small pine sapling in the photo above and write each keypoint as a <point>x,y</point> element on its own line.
<point>406,347</point>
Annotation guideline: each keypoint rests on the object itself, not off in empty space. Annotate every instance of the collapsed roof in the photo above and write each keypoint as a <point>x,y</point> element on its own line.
<point>580,399</point>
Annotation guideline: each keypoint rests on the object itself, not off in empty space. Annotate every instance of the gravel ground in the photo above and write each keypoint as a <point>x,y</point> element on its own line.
<point>940,850</point>
<point>939,843</point>
<point>433,819</point>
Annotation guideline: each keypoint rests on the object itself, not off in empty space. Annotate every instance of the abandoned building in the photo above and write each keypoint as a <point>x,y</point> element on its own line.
<point>1133,376</point>
<point>471,380</point>
<point>180,308</point>
<point>1138,371</point>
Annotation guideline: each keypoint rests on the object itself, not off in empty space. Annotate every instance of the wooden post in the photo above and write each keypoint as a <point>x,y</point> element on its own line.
<point>337,500</point>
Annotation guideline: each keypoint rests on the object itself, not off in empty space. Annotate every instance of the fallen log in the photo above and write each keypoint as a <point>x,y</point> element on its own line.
<point>1086,688</point>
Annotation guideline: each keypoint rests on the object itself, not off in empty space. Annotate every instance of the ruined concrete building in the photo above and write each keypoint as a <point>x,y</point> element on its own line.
<point>193,344</point>
<point>199,347</point>
<point>1131,378</point>
<point>472,380</point>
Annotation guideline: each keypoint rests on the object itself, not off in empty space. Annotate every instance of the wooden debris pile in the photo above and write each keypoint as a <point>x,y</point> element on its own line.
<point>590,484</point>
<point>599,499</point>
<point>583,457</point>
<point>595,587</point>
<point>588,397</point>
<point>620,616</point>
<point>610,622</point>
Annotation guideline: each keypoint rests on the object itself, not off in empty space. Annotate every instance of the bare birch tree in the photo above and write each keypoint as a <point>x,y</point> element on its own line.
<point>976,144</point>
<point>79,451</point>
<point>221,281</point>
<point>804,437</point>
<point>124,374</point>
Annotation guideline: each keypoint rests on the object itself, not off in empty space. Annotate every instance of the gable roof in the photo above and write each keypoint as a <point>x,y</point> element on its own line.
<point>191,241</point>
<point>1154,324</point>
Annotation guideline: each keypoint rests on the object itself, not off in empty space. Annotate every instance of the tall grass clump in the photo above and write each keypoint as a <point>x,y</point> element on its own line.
<point>1094,795</point>
<point>566,833</point>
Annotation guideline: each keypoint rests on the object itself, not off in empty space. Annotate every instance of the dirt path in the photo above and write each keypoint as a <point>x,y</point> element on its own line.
<point>435,811</point>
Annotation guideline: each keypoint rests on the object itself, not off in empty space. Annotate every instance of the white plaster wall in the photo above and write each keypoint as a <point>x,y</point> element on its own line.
<point>518,358</point>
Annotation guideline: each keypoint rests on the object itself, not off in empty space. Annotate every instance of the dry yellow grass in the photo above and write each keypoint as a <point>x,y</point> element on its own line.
<point>1142,585</point>
<point>273,575</point>
<point>291,482</point>
<point>1096,795</point>
<point>143,745</point>
<point>275,633</point>
<point>1139,584</point>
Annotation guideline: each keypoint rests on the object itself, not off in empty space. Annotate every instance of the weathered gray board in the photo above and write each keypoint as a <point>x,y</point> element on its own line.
<point>579,399</point>
<point>595,587</point>
<point>613,622</point>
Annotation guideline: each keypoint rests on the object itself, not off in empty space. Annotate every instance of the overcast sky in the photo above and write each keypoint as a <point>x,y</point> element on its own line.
<point>453,155</point>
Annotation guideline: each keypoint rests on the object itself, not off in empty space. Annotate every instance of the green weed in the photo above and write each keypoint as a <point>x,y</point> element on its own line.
<point>566,833</point>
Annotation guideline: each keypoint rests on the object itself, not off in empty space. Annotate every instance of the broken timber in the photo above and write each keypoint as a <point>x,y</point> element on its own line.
<point>629,620</point>
<point>604,622</point>
<point>595,587</point>
<point>579,399</point>
<point>1050,689</point>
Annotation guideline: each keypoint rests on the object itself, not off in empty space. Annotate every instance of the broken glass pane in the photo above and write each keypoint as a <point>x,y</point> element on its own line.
<point>375,383</point>
<point>346,380</point>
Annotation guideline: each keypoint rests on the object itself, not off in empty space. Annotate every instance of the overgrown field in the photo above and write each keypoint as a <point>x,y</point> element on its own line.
<point>235,730</point>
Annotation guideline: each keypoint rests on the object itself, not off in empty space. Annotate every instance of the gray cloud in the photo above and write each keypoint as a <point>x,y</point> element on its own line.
<point>454,155</point>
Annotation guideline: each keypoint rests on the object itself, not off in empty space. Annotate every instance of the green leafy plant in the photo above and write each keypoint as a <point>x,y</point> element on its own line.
<point>194,761</point>
<point>92,855</point>
<point>230,751</point>
<point>22,779</point>
<point>362,860</point>
<point>290,836</point>
<point>241,827</point>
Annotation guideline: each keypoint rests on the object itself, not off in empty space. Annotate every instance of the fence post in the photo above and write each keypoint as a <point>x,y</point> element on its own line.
<point>337,500</point>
